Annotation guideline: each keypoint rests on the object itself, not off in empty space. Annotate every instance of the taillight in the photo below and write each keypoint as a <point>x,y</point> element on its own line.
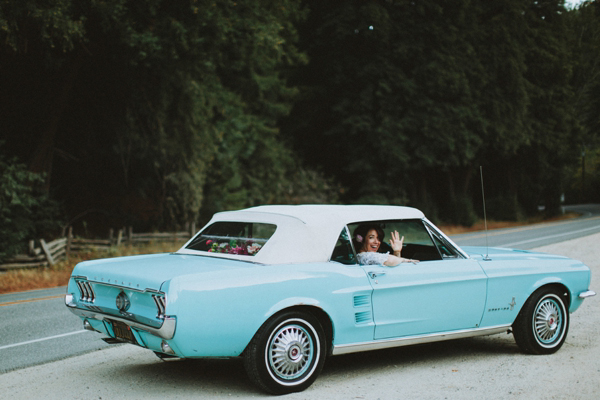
<point>85,291</point>
<point>161,303</point>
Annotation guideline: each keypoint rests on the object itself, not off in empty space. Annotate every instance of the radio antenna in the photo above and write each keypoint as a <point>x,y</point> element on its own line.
<point>486,257</point>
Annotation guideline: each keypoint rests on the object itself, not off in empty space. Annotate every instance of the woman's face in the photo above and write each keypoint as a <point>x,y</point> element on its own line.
<point>371,242</point>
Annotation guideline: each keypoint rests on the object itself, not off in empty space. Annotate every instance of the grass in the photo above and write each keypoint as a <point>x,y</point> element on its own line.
<point>58,275</point>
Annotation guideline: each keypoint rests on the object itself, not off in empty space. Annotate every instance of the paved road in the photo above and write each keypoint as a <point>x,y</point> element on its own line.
<point>531,236</point>
<point>36,327</point>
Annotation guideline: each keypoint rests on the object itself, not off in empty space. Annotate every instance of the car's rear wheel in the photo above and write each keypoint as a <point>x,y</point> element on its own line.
<point>287,353</point>
<point>542,324</point>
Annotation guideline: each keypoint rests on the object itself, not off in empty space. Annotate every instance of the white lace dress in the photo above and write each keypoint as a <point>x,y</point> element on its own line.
<point>372,258</point>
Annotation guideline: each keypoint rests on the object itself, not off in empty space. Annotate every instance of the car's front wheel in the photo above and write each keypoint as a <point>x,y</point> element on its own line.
<point>287,353</point>
<point>542,324</point>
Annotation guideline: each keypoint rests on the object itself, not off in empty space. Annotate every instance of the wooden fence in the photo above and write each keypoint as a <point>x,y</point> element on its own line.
<point>47,254</point>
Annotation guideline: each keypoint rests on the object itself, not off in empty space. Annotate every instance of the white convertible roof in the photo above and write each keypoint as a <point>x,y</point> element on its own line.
<point>305,233</point>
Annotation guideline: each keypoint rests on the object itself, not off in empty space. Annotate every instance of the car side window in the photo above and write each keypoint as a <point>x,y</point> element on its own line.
<point>343,252</point>
<point>418,242</point>
<point>446,250</point>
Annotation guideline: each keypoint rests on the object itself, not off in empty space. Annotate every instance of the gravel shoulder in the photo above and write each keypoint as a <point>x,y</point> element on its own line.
<point>486,367</point>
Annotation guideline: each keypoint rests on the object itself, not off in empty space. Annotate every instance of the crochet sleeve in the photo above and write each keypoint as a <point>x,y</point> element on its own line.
<point>371,258</point>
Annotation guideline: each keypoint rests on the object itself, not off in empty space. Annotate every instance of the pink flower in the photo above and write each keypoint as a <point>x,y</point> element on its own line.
<point>359,238</point>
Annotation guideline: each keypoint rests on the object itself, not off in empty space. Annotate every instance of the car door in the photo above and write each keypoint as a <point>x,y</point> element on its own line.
<point>444,292</point>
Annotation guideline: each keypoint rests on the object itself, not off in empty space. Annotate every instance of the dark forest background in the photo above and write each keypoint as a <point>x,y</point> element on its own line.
<point>156,113</point>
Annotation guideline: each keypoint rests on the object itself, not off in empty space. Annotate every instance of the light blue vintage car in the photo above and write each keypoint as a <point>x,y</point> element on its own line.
<point>280,286</point>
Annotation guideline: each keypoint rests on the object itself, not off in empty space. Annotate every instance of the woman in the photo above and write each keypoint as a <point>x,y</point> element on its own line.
<point>368,239</point>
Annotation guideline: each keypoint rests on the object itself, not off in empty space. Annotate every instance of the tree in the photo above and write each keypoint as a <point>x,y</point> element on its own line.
<point>403,98</point>
<point>142,106</point>
<point>584,42</point>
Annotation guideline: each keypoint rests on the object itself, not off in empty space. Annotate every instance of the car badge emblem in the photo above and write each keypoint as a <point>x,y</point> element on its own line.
<point>123,302</point>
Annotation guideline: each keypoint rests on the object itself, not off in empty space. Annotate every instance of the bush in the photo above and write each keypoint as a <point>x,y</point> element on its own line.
<point>26,212</point>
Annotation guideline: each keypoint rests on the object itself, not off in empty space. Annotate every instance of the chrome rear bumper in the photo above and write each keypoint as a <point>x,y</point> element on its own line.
<point>166,330</point>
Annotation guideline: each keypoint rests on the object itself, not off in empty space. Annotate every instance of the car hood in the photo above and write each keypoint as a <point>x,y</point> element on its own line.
<point>151,271</point>
<point>499,253</point>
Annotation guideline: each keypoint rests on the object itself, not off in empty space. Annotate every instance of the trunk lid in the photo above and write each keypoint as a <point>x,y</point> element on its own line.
<point>151,271</point>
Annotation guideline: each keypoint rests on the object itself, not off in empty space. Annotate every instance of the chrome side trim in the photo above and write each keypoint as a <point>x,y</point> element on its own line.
<point>122,286</point>
<point>165,331</point>
<point>586,294</point>
<point>407,341</point>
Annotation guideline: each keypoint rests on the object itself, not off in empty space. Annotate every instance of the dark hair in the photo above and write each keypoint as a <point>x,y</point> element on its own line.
<point>362,231</point>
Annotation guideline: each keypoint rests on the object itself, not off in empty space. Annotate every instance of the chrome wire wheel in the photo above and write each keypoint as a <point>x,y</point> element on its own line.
<point>287,353</point>
<point>543,322</point>
<point>290,352</point>
<point>547,321</point>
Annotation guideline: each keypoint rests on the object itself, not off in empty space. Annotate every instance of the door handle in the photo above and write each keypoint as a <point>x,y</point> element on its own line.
<point>374,275</point>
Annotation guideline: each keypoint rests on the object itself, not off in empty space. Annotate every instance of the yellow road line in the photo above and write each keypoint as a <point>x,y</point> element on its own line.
<point>12,303</point>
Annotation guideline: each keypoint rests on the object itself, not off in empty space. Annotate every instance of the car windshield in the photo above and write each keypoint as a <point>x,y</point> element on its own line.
<point>241,238</point>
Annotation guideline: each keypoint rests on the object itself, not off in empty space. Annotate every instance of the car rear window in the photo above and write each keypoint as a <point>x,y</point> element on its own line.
<point>241,238</point>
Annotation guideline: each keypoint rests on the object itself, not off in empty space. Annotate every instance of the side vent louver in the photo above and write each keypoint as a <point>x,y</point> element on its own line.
<point>362,317</point>
<point>362,300</point>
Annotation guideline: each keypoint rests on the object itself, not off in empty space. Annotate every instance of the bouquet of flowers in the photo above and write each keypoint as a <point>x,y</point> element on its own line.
<point>247,248</point>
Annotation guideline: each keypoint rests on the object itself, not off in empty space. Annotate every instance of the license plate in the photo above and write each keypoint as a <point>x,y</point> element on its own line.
<point>123,331</point>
